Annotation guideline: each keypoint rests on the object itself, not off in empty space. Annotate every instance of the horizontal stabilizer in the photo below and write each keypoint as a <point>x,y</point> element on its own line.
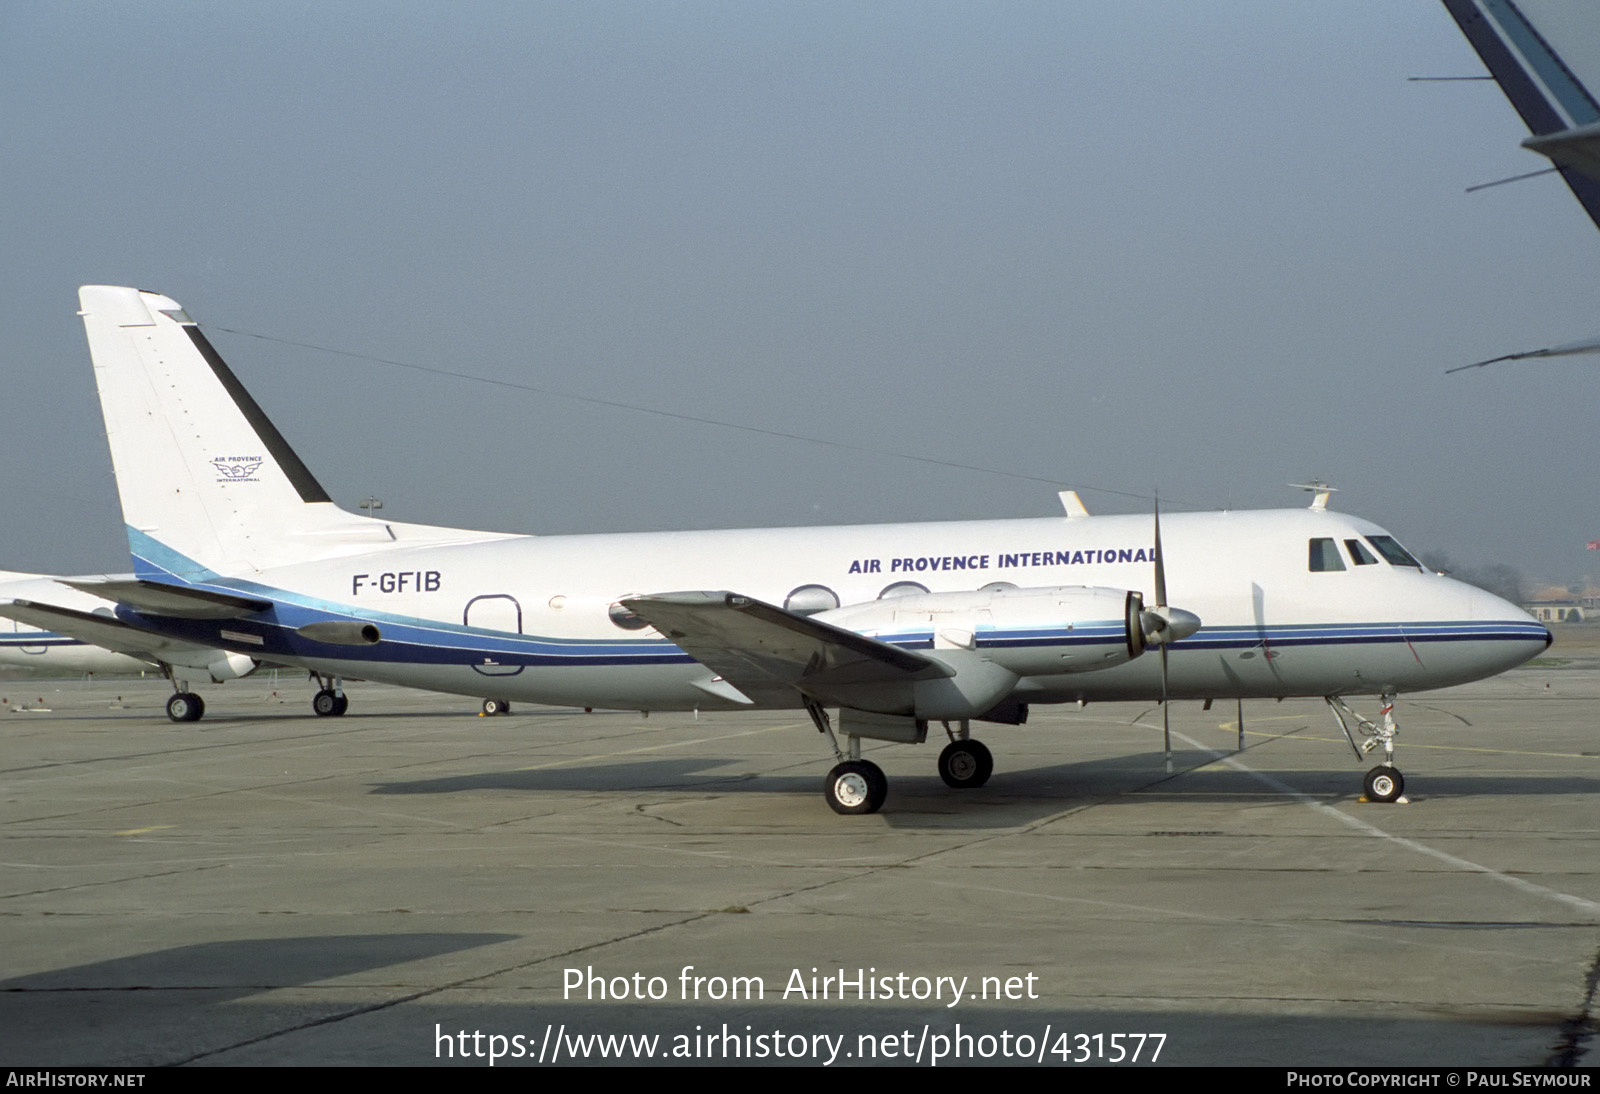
<point>101,630</point>
<point>765,651</point>
<point>176,601</point>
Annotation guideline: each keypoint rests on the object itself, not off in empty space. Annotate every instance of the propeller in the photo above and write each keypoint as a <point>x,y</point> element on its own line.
<point>1164,625</point>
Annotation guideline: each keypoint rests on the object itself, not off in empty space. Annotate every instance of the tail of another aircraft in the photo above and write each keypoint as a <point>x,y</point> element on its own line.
<point>1541,55</point>
<point>209,486</point>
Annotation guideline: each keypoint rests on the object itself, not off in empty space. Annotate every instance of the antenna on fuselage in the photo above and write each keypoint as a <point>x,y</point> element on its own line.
<point>1321,489</point>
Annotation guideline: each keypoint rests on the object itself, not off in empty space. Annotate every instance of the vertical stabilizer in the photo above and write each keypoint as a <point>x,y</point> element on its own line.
<point>208,485</point>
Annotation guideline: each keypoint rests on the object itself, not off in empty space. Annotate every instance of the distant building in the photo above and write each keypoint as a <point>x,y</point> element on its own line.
<point>1558,604</point>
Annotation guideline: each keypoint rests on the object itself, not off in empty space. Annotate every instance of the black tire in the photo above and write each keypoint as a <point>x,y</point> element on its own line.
<point>185,706</point>
<point>1384,784</point>
<point>341,706</point>
<point>327,703</point>
<point>855,788</point>
<point>965,765</point>
<point>491,707</point>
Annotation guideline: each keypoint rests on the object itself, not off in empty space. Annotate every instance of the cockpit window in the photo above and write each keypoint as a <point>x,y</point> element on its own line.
<point>1325,556</point>
<point>1359,554</point>
<point>1393,552</point>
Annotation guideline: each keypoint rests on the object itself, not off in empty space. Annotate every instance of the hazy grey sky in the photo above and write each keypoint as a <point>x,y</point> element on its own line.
<point>1210,248</point>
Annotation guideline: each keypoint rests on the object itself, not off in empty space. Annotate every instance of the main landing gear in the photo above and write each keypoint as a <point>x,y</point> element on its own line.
<point>855,786</point>
<point>1383,783</point>
<point>183,705</point>
<point>331,701</point>
<point>964,764</point>
<point>491,707</point>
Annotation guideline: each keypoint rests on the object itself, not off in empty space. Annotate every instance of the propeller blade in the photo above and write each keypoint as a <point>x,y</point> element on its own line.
<point>1166,707</point>
<point>1161,562</point>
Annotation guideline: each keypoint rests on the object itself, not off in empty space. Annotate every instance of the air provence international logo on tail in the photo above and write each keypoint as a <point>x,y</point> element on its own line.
<point>876,631</point>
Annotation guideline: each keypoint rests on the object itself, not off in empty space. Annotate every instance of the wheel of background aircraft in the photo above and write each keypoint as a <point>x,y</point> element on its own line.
<point>856,787</point>
<point>327,702</point>
<point>491,707</point>
<point>965,765</point>
<point>1384,784</point>
<point>185,706</point>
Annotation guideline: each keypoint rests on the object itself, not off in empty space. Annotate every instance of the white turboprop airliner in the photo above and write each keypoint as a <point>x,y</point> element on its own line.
<point>236,546</point>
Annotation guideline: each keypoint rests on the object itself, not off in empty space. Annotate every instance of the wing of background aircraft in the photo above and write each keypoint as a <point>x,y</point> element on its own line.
<point>1545,55</point>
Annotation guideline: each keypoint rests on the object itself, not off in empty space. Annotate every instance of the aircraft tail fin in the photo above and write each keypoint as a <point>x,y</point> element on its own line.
<point>1541,63</point>
<point>208,485</point>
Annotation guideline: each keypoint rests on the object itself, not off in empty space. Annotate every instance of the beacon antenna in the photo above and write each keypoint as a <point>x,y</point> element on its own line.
<point>1320,489</point>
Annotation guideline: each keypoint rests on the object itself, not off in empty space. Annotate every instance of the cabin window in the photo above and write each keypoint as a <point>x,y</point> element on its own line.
<point>1359,554</point>
<point>811,599</point>
<point>1325,556</point>
<point>622,617</point>
<point>1393,552</point>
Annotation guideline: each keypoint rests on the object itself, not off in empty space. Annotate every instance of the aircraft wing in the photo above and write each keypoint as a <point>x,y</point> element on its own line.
<point>177,601</point>
<point>763,650</point>
<point>100,630</point>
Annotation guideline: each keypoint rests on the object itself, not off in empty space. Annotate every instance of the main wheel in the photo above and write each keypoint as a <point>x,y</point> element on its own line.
<point>856,787</point>
<point>185,706</point>
<point>1384,784</point>
<point>965,764</point>
<point>491,707</point>
<point>328,702</point>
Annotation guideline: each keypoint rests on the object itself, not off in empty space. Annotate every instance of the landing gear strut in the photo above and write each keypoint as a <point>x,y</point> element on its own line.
<point>331,701</point>
<point>184,705</point>
<point>1383,783</point>
<point>854,786</point>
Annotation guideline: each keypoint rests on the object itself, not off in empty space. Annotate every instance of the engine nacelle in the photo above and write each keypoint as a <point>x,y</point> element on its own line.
<point>1038,631</point>
<point>991,638</point>
<point>341,633</point>
<point>220,666</point>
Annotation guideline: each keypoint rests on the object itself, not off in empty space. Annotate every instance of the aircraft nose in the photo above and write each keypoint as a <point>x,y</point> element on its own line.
<point>1523,637</point>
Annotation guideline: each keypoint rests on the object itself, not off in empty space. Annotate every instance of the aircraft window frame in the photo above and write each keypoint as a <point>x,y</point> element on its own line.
<point>902,588</point>
<point>1322,556</point>
<point>1359,554</point>
<point>1393,553</point>
<point>622,618</point>
<point>810,600</point>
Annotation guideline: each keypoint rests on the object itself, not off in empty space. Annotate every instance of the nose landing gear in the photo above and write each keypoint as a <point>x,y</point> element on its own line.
<point>1383,783</point>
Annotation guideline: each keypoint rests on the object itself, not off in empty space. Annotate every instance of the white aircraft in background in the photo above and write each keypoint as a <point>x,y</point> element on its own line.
<point>31,648</point>
<point>120,648</point>
<point>1545,55</point>
<point>235,546</point>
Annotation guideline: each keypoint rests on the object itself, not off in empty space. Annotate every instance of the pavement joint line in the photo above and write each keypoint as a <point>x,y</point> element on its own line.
<point>1521,884</point>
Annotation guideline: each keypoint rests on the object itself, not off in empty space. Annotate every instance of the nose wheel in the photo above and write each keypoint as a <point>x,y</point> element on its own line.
<point>1384,784</point>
